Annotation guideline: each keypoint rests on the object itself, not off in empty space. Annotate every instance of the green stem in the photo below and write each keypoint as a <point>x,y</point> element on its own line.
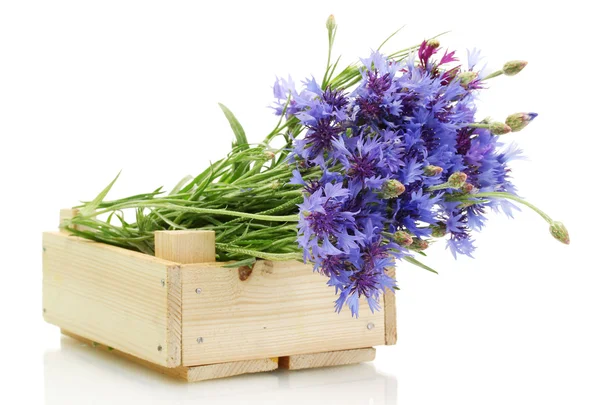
<point>478,125</point>
<point>513,197</point>
<point>224,212</point>
<point>442,186</point>
<point>492,75</point>
<point>262,255</point>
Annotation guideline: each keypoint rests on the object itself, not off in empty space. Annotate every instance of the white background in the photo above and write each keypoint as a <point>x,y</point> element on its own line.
<point>90,88</point>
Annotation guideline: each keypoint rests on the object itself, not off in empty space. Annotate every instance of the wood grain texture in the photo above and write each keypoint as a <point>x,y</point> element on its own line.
<point>174,316</point>
<point>190,374</point>
<point>212,371</point>
<point>327,359</point>
<point>107,294</point>
<point>185,246</point>
<point>181,247</point>
<point>281,309</point>
<point>389,309</point>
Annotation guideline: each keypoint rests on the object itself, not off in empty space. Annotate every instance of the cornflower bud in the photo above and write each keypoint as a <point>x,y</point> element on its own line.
<point>468,188</point>
<point>457,180</point>
<point>430,170</point>
<point>559,232</point>
<point>433,43</point>
<point>500,128</point>
<point>419,244</point>
<point>391,189</point>
<point>330,24</point>
<point>513,67</point>
<point>439,230</point>
<point>402,238</point>
<point>466,78</point>
<point>269,155</point>
<point>518,121</point>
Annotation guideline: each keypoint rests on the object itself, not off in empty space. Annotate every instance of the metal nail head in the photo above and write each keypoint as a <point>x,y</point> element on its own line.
<point>198,290</point>
<point>162,282</point>
<point>159,348</point>
<point>200,340</point>
<point>370,325</point>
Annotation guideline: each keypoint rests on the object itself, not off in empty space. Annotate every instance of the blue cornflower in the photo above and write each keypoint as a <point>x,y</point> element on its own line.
<point>369,279</point>
<point>318,140</point>
<point>322,223</point>
<point>361,158</point>
<point>405,123</point>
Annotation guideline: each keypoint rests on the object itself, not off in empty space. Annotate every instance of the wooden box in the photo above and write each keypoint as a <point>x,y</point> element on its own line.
<point>184,314</point>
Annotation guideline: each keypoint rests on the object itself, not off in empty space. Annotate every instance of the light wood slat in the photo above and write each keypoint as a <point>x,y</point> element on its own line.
<point>181,247</point>
<point>327,359</point>
<point>191,374</point>
<point>193,246</point>
<point>389,308</point>
<point>213,371</point>
<point>281,309</point>
<point>107,294</point>
<point>174,315</point>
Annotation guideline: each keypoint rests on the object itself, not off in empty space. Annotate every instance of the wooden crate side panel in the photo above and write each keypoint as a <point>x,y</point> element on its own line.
<point>281,309</point>
<point>109,295</point>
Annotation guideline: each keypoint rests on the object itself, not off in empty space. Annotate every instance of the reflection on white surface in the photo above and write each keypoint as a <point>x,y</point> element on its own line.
<point>79,374</point>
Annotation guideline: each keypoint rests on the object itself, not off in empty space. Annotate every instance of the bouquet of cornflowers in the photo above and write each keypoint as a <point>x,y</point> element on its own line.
<point>377,161</point>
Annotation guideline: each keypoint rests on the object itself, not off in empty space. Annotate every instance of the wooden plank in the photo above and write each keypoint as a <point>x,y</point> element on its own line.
<point>327,359</point>
<point>190,374</point>
<point>280,309</point>
<point>389,309</point>
<point>181,247</point>
<point>195,246</point>
<point>107,294</point>
<point>174,316</point>
<point>212,371</point>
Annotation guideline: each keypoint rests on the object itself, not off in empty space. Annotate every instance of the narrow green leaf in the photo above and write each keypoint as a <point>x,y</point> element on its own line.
<point>330,71</point>
<point>390,37</point>
<point>180,185</point>
<point>417,263</point>
<point>167,220</point>
<point>90,207</point>
<point>238,131</point>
